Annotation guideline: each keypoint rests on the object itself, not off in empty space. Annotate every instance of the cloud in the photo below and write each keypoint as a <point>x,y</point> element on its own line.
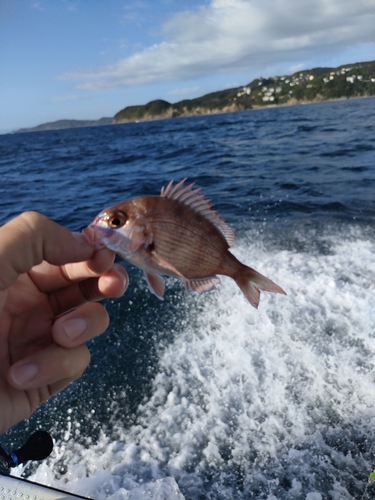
<point>70,6</point>
<point>37,6</point>
<point>132,12</point>
<point>237,36</point>
<point>296,67</point>
<point>68,98</point>
<point>185,91</point>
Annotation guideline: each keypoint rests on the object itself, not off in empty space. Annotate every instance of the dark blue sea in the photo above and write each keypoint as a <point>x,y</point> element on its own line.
<point>202,396</point>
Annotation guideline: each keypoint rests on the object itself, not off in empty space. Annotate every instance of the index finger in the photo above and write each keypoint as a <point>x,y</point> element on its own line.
<point>31,238</point>
<point>48,277</point>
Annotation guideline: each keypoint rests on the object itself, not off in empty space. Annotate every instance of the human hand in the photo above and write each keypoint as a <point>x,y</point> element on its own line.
<point>50,279</point>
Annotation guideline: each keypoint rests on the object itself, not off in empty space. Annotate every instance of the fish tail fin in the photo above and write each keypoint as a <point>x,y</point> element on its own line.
<point>252,283</point>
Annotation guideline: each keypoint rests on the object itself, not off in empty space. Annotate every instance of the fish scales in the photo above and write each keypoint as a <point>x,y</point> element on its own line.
<point>176,234</point>
<point>192,260</point>
<point>189,240</point>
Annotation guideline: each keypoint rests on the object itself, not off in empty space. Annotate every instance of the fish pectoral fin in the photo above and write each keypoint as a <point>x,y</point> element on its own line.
<point>155,283</point>
<point>167,267</point>
<point>202,285</point>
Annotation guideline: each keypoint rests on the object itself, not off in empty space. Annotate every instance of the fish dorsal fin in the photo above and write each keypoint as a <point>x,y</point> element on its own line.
<point>195,200</point>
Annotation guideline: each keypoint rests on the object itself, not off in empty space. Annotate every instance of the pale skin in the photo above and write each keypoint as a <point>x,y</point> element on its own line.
<point>50,282</point>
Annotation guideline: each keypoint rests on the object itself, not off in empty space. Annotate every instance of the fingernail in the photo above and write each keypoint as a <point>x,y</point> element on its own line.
<point>74,327</point>
<point>124,278</point>
<point>24,373</point>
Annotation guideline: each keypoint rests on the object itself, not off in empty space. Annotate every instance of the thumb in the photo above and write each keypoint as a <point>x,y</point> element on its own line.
<point>3,298</point>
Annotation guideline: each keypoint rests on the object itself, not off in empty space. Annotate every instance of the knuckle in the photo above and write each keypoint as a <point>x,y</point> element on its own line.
<point>73,364</point>
<point>89,290</point>
<point>32,219</point>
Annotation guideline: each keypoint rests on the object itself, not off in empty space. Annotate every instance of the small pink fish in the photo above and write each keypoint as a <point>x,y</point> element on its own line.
<point>176,234</point>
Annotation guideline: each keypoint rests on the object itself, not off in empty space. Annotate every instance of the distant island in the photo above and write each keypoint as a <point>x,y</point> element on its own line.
<point>59,124</point>
<point>307,86</point>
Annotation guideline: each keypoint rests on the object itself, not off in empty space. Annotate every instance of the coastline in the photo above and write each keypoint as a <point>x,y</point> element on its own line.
<point>236,109</point>
<point>307,86</point>
<point>189,114</point>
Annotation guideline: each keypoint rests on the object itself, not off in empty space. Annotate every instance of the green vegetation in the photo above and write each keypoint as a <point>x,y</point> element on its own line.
<point>315,85</point>
<point>59,124</point>
<point>318,84</point>
<point>153,108</point>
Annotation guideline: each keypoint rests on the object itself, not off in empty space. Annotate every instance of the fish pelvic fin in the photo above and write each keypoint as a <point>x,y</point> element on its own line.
<point>155,283</point>
<point>202,285</point>
<point>194,199</point>
<point>252,283</point>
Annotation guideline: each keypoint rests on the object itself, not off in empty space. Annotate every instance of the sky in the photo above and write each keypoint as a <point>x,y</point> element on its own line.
<point>85,59</point>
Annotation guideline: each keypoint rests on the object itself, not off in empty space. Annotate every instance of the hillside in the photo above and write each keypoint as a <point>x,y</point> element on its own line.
<point>59,124</point>
<point>315,85</point>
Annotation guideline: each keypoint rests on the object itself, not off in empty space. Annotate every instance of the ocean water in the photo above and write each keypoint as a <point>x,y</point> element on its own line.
<point>202,396</point>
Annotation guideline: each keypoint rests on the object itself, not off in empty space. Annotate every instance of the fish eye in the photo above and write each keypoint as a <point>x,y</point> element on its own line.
<point>117,219</point>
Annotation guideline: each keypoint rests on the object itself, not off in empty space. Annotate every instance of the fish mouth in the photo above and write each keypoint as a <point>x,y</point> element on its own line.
<point>95,235</point>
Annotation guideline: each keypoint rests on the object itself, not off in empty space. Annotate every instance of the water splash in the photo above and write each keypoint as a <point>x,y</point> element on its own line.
<point>275,404</point>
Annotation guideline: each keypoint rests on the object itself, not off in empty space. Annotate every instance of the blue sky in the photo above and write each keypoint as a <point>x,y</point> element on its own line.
<point>84,59</point>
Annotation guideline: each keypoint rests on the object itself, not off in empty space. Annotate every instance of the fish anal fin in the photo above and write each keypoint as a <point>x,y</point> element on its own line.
<point>155,283</point>
<point>202,285</point>
<point>192,198</point>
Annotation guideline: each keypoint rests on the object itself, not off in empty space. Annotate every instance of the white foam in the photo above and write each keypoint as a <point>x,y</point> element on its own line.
<point>252,402</point>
